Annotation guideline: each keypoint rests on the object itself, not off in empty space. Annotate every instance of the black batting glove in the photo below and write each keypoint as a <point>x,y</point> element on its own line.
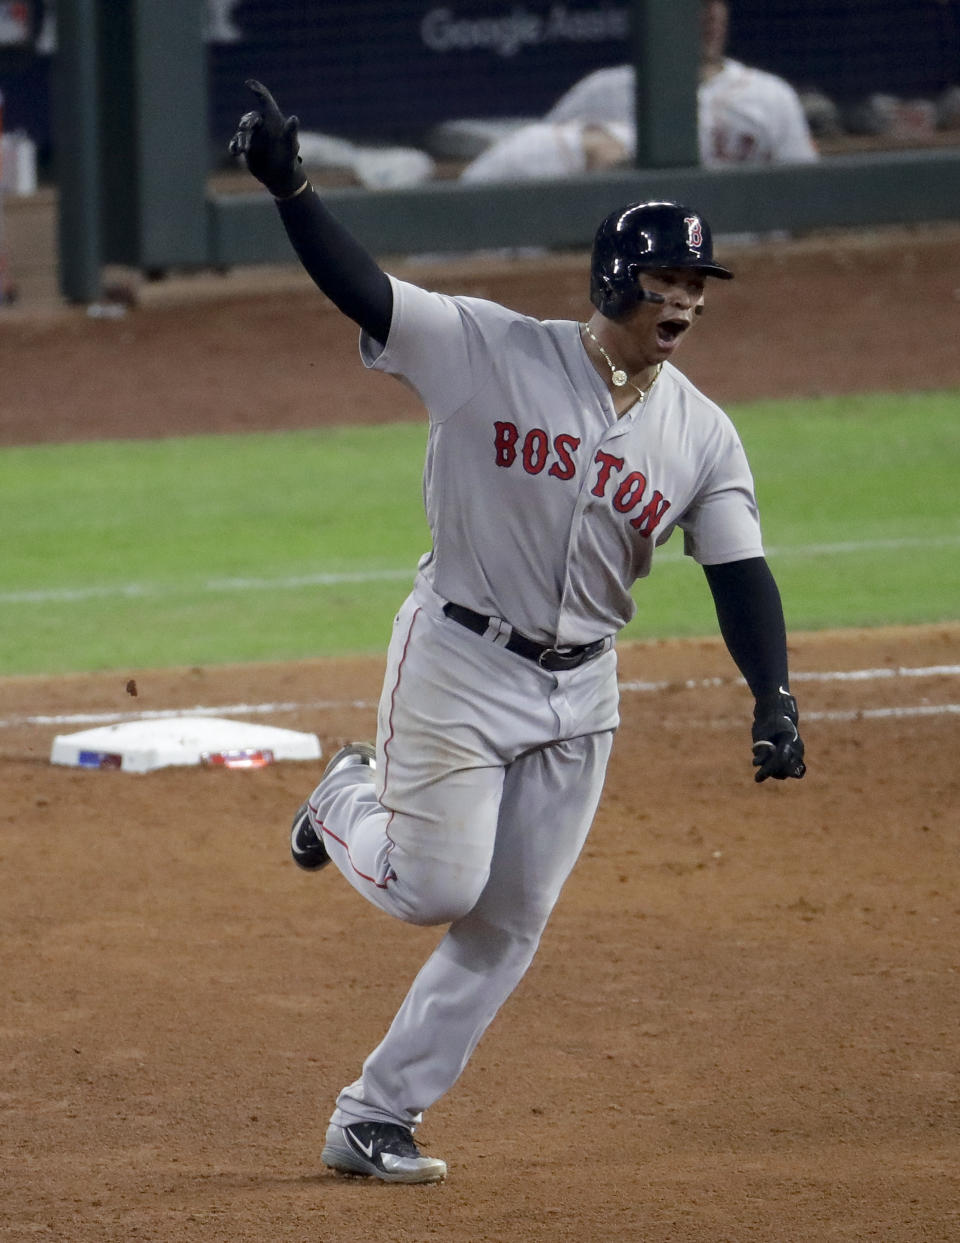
<point>268,142</point>
<point>777,745</point>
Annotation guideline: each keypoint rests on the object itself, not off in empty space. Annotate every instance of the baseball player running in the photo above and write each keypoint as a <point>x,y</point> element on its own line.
<point>560,455</point>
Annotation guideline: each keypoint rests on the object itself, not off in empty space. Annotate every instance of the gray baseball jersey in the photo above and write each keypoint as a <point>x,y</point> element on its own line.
<point>544,507</point>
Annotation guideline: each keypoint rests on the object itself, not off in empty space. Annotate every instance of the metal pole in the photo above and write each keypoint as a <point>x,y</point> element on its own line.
<point>77,150</point>
<point>666,53</point>
<point>153,100</point>
<point>172,139</point>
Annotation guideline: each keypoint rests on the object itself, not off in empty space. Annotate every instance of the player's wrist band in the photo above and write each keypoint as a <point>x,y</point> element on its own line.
<point>285,198</point>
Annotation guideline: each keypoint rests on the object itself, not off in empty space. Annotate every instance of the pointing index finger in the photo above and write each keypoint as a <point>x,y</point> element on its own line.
<point>266,99</point>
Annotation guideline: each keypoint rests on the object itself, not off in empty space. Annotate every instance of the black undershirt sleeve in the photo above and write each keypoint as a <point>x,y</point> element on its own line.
<point>750,614</point>
<point>338,265</point>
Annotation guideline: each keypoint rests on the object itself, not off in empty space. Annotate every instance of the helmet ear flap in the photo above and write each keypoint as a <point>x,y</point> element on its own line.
<point>620,292</point>
<point>616,286</point>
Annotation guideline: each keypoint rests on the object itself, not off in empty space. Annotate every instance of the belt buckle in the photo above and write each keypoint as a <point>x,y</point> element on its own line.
<point>558,659</point>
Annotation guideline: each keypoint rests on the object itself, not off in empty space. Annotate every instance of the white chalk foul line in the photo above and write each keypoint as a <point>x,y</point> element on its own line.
<point>839,675</point>
<point>135,591</point>
<point>166,714</point>
<point>294,582</point>
<point>877,675</point>
<point>321,705</point>
<point>883,714</point>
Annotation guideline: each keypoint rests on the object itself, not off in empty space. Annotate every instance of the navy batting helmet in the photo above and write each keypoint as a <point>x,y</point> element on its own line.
<point>640,238</point>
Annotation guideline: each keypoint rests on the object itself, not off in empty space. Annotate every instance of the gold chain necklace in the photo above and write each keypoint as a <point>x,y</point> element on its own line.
<point>617,374</point>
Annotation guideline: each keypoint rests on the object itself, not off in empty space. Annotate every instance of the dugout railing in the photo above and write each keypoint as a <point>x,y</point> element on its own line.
<point>133,163</point>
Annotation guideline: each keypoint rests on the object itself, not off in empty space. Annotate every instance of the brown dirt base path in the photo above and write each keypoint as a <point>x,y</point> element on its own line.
<point>262,349</point>
<point>742,1024</point>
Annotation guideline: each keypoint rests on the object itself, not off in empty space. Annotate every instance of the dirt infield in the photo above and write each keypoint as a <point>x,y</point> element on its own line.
<point>742,1024</point>
<point>257,350</point>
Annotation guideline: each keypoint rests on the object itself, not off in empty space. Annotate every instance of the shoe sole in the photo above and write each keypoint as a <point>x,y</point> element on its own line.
<point>356,752</point>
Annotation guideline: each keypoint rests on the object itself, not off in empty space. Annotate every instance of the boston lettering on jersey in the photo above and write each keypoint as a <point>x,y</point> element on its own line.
<point>624,491</point>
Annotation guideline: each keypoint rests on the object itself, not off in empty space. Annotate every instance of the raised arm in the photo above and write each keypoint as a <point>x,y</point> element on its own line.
<point>751,621</point>
<point>343,269</point>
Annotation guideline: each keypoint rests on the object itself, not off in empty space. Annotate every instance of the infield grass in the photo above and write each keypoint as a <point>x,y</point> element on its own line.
<point>145,554</point>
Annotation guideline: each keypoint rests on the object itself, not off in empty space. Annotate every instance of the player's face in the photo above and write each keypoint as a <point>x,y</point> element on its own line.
<point>659,327</point>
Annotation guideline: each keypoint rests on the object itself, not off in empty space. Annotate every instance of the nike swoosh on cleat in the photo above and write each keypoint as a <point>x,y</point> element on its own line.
<point>366,1149</point>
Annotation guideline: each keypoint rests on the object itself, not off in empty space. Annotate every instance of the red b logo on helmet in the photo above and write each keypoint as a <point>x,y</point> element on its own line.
<point>694,232</point>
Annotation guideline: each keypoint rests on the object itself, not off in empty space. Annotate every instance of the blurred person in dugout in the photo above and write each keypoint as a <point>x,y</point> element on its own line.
<point>745,116</point>
<point>218,16</point>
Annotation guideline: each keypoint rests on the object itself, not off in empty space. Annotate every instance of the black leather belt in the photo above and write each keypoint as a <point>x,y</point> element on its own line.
<point>554,659</point>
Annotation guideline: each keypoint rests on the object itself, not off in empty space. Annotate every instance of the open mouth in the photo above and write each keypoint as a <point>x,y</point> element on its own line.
<point>669,331</point>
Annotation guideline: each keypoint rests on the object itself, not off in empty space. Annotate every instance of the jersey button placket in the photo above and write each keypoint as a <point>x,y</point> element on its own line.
<point>586,503</point>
